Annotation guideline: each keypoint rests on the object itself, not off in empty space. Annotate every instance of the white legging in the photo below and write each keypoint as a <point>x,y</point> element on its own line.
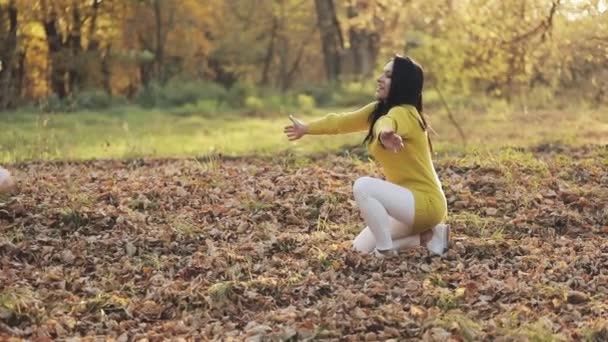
<point>388,210</point>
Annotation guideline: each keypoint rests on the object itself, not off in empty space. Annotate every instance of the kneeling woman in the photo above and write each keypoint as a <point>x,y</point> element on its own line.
<point>409,208</point>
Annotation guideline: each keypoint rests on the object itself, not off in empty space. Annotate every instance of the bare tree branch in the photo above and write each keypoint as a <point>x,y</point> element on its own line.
<point>451,116</point>
<point>542,27</point>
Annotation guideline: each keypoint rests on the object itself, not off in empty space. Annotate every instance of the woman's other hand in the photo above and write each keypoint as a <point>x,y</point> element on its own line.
<point>391,141</point>
<point>296,130</point>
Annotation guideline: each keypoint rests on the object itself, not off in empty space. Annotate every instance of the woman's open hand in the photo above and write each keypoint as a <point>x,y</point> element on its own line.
<point>391,141</point>
<point>296,130</point>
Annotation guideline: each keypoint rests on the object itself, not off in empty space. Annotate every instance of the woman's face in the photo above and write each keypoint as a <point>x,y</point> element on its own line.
<point>384,82</point>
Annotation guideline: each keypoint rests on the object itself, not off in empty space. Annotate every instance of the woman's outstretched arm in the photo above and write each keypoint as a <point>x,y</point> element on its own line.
<point>332,123</point>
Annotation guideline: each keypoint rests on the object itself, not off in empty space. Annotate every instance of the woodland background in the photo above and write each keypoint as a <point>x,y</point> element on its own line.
<point>68,54</point>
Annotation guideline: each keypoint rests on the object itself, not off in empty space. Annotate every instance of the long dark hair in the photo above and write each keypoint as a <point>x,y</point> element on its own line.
<point>407,80</point>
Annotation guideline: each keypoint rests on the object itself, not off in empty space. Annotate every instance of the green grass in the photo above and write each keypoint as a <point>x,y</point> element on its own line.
<point>138,133</point>
<point>130,132</point>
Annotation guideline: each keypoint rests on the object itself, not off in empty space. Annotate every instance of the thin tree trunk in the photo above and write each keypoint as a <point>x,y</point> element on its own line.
<point>19,76</point>
<point>106,71</point>
<point>75,44</point>
<point>97,62</point>
<point>7,71</point>
<point>287,82</point>
<point>159,49</point>
<point>55,44</point>
<point>270,52</point>
<point>145,73</point>
<point>146,68</point>
<point>283,60</point>
<point>93,41</point>
<point>331,37</point>
<point>451,116</point>
<point>283,48</point>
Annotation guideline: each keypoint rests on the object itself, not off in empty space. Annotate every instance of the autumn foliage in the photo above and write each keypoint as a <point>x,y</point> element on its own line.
<point>91,51</point>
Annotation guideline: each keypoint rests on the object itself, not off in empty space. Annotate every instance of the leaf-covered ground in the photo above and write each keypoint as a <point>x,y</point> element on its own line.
<point>259,249</point>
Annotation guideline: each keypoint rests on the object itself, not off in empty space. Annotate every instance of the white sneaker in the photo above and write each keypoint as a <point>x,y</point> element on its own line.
<point>438,244</point>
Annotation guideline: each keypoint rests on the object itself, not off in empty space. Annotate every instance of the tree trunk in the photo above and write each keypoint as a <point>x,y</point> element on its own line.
<point>93,41</point>
<point>75,77</point>
<point>331,37</point>
<point>146,67</point>
<point>270,52</point>
<point>283,61</point>
<point>364,45</point>
<point>8,91</point>
<point>220,74</point>
<point>283,48</point>
<point>58,65</point>
<point>159,48</point>
<point>19,75</point>
<point>95,68</point>
<point>146,73</point>
<point>106,71</point>
<point>289,77</point>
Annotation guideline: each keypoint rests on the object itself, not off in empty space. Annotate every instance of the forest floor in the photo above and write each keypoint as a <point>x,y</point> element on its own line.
<point>259,247</point>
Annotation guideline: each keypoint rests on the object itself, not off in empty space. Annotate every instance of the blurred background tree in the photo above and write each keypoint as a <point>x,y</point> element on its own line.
<point>96,52</point>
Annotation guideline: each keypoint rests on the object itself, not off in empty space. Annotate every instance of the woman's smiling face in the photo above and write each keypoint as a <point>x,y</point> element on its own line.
<point>383,83</point>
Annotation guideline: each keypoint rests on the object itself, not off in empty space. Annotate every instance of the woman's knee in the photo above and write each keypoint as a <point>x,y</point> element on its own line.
<point>362,185</point>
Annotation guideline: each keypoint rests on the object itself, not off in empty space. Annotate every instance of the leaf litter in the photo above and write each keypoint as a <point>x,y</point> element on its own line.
<point>259,249</point>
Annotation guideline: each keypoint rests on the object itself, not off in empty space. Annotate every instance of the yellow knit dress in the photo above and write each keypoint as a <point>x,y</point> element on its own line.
<point>411,167</point>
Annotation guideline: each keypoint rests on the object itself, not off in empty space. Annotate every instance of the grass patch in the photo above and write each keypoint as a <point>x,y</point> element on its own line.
<point>130,132</point>
<point>472,224</point>
<point>597,331</point>
<point>468,329</point>
<point>107,302</point>
<point>448,300</point>
<point>221,291</point>
<point>151,133</point>
<point>19,305</point>
<point>183,225</point>
<point>539,331</point>
<point>256,206</point>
